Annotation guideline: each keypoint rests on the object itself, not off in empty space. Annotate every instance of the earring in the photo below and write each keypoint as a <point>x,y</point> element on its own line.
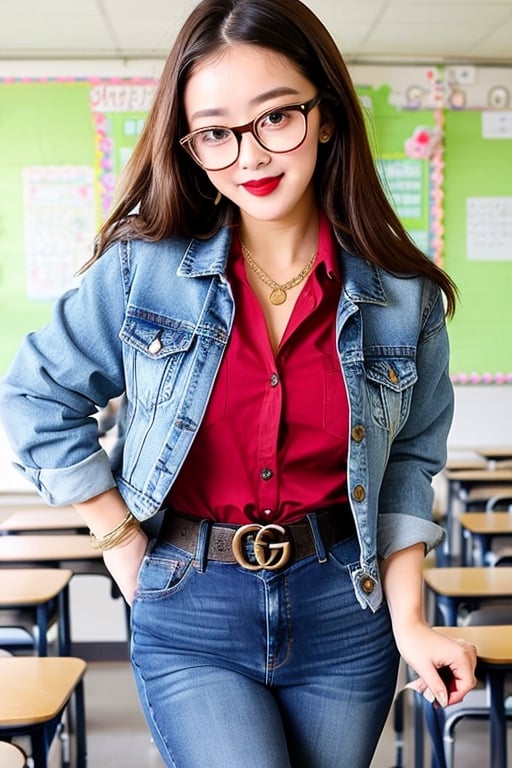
<point>324,137</point>
<point>218,198</point>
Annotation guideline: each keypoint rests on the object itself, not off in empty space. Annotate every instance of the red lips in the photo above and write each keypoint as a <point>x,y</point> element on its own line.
<point>262,187</point>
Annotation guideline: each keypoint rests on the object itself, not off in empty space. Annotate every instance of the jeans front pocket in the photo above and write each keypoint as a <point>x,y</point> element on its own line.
<point>163,571</point>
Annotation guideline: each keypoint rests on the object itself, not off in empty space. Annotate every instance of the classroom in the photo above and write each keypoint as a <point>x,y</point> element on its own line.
<point>434,79</point>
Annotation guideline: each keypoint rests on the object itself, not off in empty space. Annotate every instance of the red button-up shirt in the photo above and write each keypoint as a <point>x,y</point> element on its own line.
<point>273,443</point>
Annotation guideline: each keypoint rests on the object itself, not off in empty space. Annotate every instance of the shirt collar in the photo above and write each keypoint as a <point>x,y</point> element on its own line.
<point>327,249</point>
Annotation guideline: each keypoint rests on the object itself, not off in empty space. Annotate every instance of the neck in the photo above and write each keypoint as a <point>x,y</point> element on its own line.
<point>279,244</point>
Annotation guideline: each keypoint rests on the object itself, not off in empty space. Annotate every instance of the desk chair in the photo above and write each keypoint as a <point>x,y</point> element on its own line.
<point>502,553</point>
<point>11,756</point>
<point>35,694</point>
<point>34,600</point>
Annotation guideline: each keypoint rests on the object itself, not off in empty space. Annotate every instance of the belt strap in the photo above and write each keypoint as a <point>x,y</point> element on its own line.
<point>333,525</point>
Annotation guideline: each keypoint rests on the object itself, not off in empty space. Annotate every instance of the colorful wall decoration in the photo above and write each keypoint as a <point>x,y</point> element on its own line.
<point>442,138</point>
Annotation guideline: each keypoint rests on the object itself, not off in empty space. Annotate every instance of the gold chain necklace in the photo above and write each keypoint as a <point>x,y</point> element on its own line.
<point>278,293</point>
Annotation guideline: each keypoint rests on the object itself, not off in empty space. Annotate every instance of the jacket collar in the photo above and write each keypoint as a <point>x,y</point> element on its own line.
<point>362,280</point>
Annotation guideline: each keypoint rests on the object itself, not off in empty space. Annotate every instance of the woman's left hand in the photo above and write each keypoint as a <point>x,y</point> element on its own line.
<point>445,667</point>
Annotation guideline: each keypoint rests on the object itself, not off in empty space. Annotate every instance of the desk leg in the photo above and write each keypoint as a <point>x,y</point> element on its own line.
<point>497,718</point>
<point>42,612</point>
<point>64,623</point>
<point>483,546</point>
<point>447,608</point>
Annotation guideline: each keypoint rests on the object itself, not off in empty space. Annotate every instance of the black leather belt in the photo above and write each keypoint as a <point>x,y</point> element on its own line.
<point>256,546</point>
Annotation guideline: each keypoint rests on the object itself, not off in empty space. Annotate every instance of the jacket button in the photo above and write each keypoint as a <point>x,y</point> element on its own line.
<point>155,346</point>
<point>358,493</point>
<point>392,375</point>
<point>358,432</point>
<point>367,584</point>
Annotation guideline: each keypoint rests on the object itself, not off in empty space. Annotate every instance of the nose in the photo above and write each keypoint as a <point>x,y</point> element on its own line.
<point>251,154</point>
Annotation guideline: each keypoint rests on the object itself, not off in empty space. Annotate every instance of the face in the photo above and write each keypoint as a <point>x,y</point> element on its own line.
<point>232,88</point>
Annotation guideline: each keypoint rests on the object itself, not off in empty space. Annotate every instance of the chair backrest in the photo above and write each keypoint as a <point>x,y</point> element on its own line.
<point>11,756</point>
<point>492,614</point>
<point>500,502</point>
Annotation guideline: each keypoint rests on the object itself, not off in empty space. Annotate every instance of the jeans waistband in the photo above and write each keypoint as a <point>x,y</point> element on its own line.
<point>256,545</point>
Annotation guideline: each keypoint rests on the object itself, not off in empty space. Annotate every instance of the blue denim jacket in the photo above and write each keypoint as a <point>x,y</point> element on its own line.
<point>153,319</point>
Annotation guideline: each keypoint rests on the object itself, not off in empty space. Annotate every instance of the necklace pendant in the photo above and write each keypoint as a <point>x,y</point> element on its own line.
<point>278,296</point>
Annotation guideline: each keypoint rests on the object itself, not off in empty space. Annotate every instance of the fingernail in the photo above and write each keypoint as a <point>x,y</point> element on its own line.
<point>442,698</point>
<point>429,696</point>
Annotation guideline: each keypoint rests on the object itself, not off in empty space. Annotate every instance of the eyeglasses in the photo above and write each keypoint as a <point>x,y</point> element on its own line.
<point>280,130</point>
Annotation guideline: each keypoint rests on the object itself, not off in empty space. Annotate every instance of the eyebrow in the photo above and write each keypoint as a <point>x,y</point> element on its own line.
<point>261,98</point>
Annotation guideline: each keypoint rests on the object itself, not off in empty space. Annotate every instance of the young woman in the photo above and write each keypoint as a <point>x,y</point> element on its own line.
<point>282,350</point>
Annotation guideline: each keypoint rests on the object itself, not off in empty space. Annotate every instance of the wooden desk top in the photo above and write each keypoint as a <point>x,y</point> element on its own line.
<point>20,549</point>
<point>465,459</point>
<point>486,475</point>
<point>494,451</point>
<point>494,643</point>
<point>493,523</point>
<point>42,518</point>
<point>470,582</point>
<point>11,756</point>
<point>31,586</point>
<point>35,688</point>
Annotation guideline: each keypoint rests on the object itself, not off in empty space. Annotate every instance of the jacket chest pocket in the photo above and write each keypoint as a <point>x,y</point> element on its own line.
<point>389,383</point>
<point>154,353</point>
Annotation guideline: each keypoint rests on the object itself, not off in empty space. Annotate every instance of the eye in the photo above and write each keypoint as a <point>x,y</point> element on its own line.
<point>215,135</point>
<point>275,119</point>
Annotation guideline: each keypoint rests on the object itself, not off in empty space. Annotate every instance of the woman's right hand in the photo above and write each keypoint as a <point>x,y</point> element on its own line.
<point>123,563</point>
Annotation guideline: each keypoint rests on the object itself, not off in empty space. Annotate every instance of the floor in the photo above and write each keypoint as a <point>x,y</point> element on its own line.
<point>118,737</point>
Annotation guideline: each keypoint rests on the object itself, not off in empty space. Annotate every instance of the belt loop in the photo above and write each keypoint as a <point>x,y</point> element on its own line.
<point>320,550</point>
<point>202,544</point>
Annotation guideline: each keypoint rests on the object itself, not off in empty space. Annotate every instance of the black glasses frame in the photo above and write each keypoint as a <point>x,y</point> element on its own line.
<point>250,127</point>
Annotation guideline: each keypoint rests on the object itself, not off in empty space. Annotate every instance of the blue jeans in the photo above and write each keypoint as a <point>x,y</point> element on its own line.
<point>260,669</point>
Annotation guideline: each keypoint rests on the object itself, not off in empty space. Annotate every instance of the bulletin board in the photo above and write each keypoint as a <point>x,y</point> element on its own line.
<point>63,143</point>
<point>446,163</point>
<point>478,243</point>
<point>462,119</point>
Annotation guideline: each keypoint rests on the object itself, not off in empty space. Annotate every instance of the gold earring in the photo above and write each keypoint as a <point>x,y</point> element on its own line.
<point>218,198</point>
<point>324,137</point>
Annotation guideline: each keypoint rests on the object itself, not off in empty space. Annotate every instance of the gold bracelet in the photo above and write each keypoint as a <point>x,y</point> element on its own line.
<point>117,535</point>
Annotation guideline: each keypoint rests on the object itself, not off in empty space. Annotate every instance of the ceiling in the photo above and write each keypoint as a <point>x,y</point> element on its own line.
<point>478,31</point>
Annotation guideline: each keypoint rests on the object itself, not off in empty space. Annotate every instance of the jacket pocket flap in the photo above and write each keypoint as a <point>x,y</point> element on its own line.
<point>395,373</point>
<point>156,336</point>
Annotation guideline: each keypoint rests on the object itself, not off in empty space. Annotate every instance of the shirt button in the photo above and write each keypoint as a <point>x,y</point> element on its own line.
<point>266,474</point>
<point>358,493</point>
<point>267,512</point>
<point>358,432</point>
<point>274,380</point>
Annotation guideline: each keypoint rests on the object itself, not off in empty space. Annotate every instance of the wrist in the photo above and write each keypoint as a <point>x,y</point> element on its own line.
<point>121,534</point>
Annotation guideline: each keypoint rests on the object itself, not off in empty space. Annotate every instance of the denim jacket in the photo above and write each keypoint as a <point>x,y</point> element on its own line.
<point>153,320</point>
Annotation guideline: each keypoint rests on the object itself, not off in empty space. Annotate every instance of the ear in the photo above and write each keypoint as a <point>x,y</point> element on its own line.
<point>327,127</point>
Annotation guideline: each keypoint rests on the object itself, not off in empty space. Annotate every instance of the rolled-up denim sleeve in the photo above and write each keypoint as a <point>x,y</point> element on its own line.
<point>419,450</point>
<point>58,379</point>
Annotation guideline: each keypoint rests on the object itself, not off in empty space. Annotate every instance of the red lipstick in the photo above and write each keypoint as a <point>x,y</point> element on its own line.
<point>262,187</point>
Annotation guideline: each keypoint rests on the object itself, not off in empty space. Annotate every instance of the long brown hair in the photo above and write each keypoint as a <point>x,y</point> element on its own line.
<point>172,196</point>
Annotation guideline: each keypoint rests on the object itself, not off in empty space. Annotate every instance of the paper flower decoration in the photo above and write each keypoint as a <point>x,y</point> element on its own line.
<point>422,144</point>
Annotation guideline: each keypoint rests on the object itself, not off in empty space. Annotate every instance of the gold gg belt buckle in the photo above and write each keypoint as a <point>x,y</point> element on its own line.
<point>271,550</point>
